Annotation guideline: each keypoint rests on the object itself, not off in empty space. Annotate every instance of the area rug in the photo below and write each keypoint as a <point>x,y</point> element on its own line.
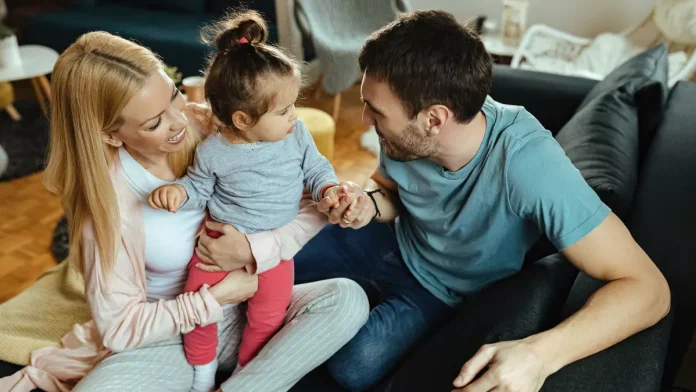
<point>60,244</point>
<point>24,142</point>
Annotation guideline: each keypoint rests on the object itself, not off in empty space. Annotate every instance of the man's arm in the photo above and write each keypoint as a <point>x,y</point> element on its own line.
<point>636,297</point>
<point>545,188</point>
<point>388,204</point>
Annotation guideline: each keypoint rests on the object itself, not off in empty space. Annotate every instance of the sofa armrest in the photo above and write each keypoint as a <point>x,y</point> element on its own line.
<point>552,99</point>
<point>513,308</point>
<point>635,364</point>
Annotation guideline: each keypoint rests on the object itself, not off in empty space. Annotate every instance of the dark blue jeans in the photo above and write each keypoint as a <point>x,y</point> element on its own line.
<point>403,310</point>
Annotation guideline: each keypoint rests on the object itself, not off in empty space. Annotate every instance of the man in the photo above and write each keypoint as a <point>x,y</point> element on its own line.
<point>463,188</point>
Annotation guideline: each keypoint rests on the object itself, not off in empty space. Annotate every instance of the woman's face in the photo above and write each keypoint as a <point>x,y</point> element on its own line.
<point>153,120</point>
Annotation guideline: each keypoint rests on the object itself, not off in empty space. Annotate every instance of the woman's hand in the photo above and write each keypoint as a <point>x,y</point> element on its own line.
<point>228,253</point>
<point>238,286</point>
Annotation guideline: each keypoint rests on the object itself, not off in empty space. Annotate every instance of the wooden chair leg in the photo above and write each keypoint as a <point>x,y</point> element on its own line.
<point>336,106</point>
<point>39,94</point>
<point>14,114</point>
<point>46,86</point>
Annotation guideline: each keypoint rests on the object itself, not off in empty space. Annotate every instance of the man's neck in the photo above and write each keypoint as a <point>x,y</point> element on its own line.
<point>459,143</point>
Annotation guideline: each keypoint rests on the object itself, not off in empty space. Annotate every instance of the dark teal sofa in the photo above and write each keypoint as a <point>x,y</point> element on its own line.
<point>168,27</point>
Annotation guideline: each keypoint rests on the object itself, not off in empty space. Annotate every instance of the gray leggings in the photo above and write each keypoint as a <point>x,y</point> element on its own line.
<point>323,316</point>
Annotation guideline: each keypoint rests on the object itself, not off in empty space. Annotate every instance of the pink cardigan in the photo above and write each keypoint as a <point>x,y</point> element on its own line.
<point>122,319</point>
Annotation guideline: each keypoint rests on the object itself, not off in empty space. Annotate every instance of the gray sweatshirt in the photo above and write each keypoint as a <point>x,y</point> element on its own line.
<point>256,186</point>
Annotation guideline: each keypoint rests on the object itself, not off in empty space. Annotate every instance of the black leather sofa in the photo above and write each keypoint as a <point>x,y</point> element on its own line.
<point>661,216</point>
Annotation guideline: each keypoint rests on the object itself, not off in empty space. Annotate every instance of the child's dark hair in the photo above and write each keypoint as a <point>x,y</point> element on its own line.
<point>243,58</point>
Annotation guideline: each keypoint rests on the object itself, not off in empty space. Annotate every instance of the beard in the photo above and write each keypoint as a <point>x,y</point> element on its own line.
<point>409,145</point>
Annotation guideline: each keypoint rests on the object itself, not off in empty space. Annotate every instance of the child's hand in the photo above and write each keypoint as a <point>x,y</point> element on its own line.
<point>333,198</point>
<point>168,197</point>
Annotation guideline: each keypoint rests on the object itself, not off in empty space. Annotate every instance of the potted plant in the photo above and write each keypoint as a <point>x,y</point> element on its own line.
<point>9,50</point>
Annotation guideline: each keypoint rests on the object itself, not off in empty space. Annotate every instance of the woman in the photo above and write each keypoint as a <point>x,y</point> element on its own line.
<point>119,131</point>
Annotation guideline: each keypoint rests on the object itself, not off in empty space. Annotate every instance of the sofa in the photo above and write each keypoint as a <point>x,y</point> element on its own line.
<point>651,192</point>
<point>170,28</point>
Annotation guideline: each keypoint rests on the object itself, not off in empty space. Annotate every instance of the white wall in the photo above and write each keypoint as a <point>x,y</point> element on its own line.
<point>585,18</point>
<point>579,17</point>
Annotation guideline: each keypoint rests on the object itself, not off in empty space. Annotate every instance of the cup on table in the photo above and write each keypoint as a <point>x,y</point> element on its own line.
<point>194,88</point>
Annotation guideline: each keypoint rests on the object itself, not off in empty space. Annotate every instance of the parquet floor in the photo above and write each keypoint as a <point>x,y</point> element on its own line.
<point>29,213</point>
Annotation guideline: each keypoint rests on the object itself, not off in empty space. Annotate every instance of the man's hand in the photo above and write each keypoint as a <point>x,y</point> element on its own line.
<point>228,253</point>
<point>168,197</point>
<point>350,208</point>
<point>510,366</point>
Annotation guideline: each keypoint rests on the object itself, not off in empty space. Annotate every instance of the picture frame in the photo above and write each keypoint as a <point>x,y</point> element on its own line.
<point>513,21</point>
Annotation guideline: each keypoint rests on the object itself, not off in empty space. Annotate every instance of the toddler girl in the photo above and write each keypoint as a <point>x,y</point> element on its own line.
<point>250,173</point>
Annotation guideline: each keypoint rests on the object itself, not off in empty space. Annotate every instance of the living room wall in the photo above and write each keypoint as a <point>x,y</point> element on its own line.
<point>579,17</point>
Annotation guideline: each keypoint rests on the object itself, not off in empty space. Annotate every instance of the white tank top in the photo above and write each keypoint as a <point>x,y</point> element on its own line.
<point>169,238</point>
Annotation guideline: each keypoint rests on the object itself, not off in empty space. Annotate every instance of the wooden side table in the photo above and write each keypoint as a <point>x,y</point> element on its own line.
<point>502,53</point>
<point>37,62</point>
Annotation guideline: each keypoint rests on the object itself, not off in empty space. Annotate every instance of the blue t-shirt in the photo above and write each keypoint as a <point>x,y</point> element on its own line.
<point>463,230</point>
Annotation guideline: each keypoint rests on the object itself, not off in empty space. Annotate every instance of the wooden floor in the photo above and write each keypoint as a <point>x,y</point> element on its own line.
<point>29,213</point>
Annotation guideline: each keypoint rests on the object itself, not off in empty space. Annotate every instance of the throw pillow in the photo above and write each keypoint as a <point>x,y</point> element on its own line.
<point>644,77</point>
<point>602,142</point>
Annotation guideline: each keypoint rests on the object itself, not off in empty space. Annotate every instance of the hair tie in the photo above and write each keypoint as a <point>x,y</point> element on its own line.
<point>243,41</point>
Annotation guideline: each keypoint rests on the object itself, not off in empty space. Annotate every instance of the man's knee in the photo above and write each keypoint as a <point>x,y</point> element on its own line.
<point>360,365</point>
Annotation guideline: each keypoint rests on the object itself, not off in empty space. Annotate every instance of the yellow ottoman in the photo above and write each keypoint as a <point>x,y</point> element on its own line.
<point>322,127</point>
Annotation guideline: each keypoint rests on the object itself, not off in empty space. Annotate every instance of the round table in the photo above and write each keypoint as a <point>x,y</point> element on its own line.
<point>37,62</point>
<point>497,47</point>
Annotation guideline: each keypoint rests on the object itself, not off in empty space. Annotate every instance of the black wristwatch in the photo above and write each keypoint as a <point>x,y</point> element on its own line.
<point>370,193</point>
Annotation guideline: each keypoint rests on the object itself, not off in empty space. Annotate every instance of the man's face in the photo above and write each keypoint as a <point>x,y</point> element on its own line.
<point>402,138</point>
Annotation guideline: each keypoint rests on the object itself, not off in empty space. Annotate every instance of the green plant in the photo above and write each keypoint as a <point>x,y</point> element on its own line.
<point>5,31</point>
<point>173,73</point>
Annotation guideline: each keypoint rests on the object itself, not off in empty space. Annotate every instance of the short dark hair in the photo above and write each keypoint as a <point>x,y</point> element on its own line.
<point>242,60</point>
<point>429,58</point>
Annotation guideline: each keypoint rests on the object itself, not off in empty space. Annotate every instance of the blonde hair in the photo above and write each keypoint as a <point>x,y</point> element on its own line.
<point>92,82</point>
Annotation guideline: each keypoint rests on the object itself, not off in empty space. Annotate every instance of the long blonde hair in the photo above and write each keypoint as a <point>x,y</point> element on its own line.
<point>92,82</point>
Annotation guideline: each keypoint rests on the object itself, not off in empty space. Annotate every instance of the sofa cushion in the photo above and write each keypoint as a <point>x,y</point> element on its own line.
<point>645,77</point>
<point>192,6</point>
<point>175,36</point>
<point>265,7</point>
<point>602,142</point>
<point>172,35</point>
<point>187,6</point>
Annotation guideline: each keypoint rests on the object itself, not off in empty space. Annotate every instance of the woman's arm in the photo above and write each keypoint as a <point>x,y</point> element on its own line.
<point>259,252</point>
<point>270,247</point>
<point>118,303</point>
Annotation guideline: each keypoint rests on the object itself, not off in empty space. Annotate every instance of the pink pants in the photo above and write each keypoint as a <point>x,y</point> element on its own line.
<point>265,311</point>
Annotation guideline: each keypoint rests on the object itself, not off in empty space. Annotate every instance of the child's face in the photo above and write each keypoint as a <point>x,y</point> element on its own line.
<point>279,121</point>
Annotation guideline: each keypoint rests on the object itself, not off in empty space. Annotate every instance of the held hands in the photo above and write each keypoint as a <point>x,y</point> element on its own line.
<point>347,205</point>
<point>168,197</point>
<point>510,366</point>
